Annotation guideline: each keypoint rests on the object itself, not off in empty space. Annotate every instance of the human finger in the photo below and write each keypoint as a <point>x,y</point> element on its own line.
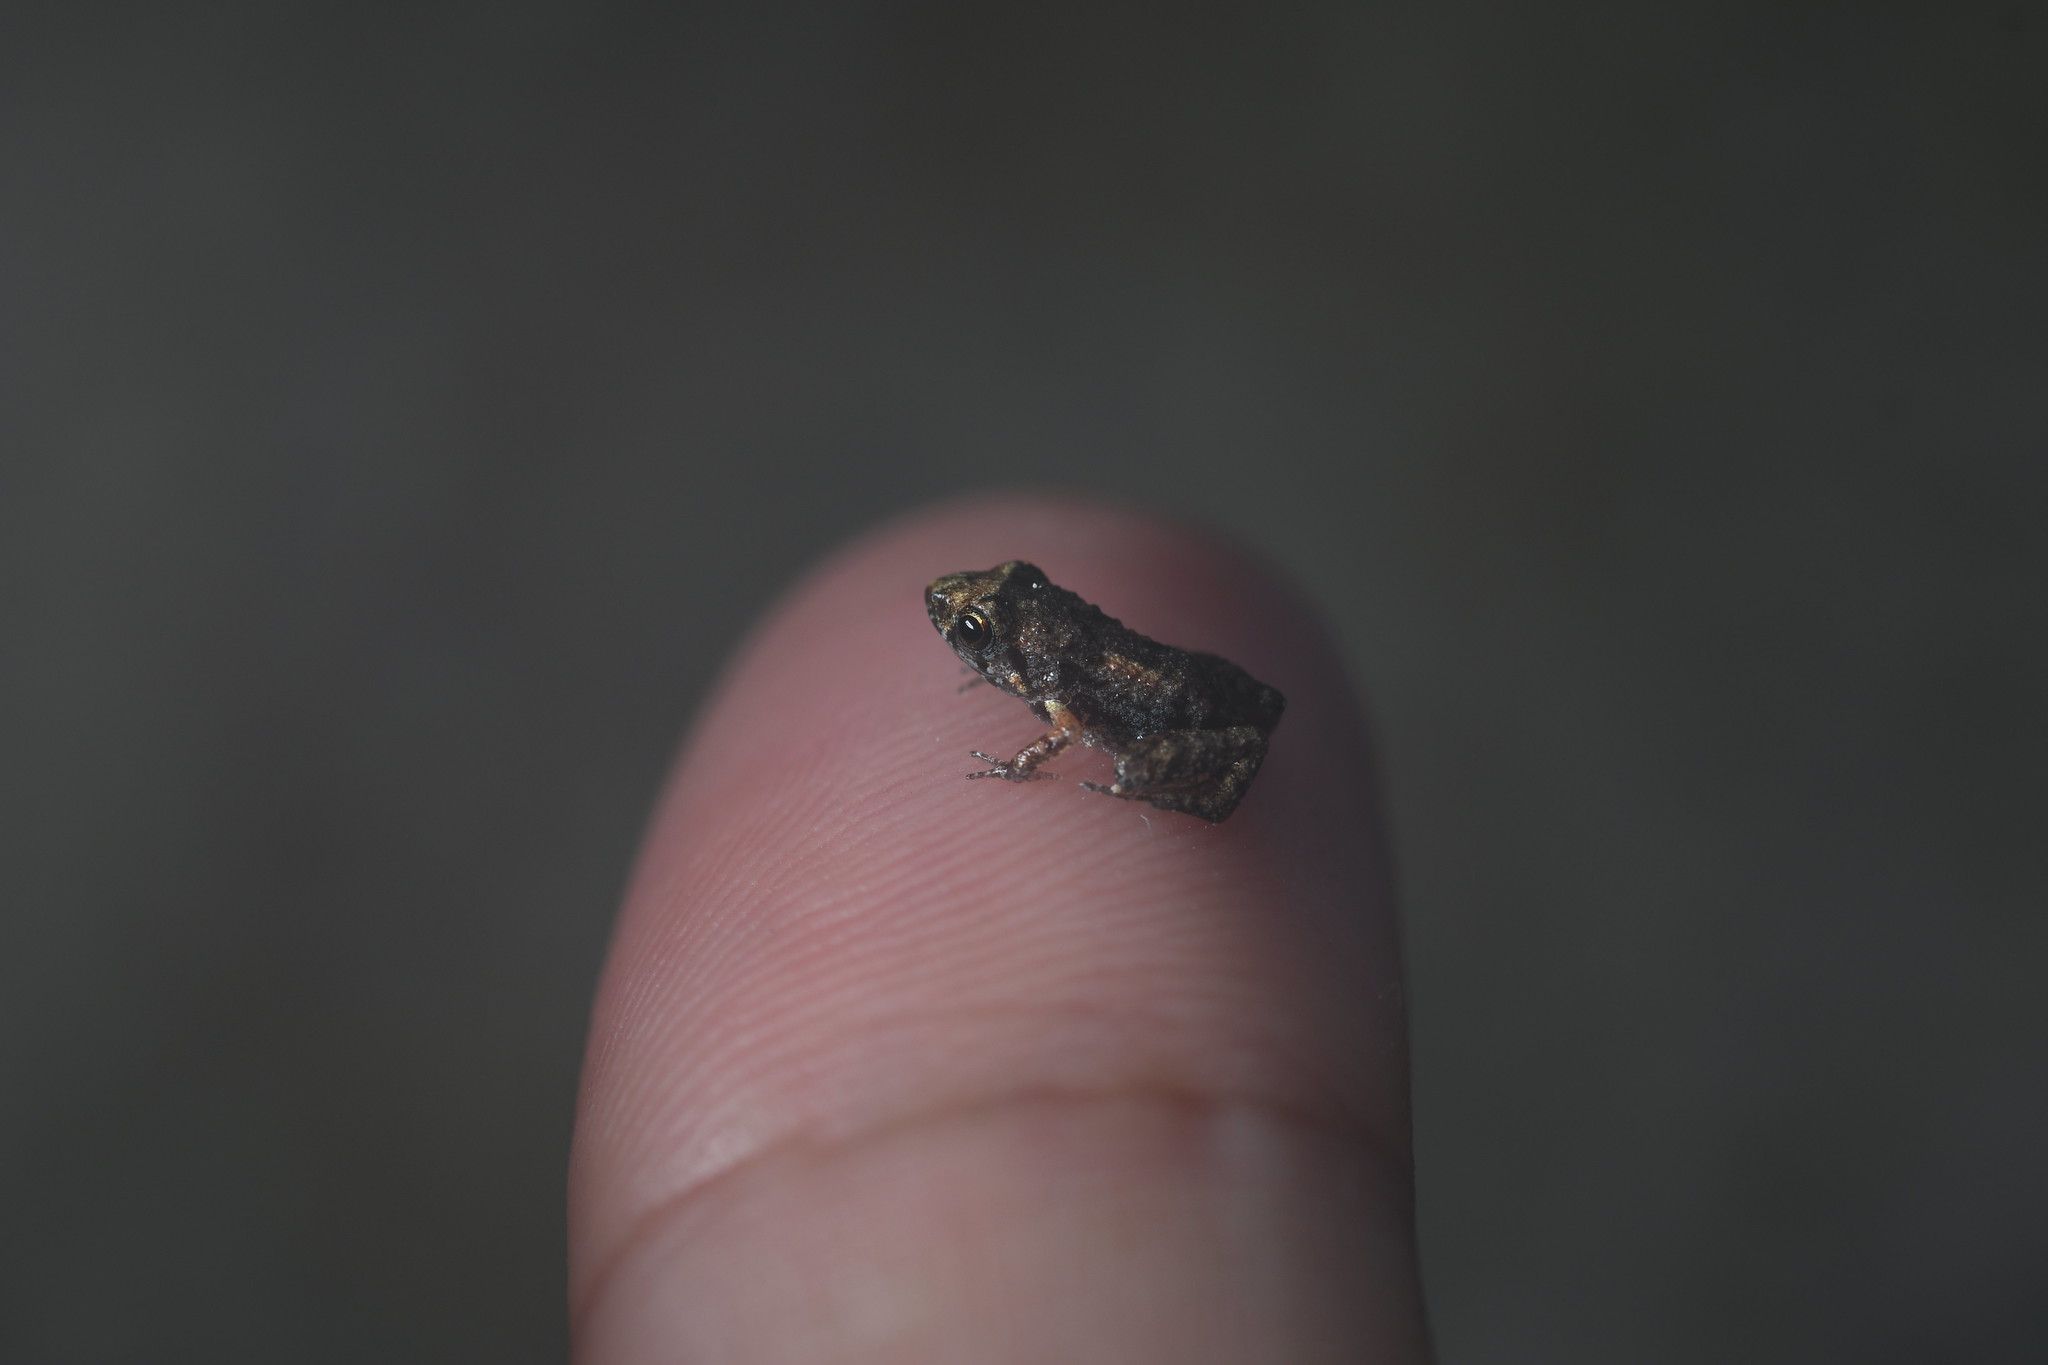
<point>887,1065</point>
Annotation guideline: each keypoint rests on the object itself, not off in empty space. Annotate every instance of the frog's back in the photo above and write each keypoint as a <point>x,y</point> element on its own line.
<point>1141,687</point>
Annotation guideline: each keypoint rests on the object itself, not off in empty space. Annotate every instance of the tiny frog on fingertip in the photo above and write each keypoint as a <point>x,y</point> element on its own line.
<point>1186,731</point>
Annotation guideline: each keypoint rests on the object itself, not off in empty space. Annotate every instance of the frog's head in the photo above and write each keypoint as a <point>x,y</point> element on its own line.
<point>985,615</point>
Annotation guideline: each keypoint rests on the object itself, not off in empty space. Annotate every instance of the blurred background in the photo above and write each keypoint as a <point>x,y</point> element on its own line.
<point>405,409</point>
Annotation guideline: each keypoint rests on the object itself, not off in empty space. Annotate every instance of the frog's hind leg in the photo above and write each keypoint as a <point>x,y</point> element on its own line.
<point>1197,772</point>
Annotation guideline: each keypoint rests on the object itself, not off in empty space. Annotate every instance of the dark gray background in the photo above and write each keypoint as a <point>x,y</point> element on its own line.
<point>405,410</point>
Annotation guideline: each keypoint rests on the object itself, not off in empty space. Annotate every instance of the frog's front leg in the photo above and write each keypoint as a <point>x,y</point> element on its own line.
<point>1025,766</point>
<point>1196,772</point>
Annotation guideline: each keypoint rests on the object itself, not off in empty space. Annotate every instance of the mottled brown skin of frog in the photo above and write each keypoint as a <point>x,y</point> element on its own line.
<point>1187,731</point>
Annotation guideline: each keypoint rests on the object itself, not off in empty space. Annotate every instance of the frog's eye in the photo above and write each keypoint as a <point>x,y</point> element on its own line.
<point>973,630</point>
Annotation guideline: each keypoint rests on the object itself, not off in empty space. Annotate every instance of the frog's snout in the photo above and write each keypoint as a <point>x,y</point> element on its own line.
<point>942,599</point>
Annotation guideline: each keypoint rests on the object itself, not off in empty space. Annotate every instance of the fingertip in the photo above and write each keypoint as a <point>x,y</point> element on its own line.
<point>832,934</point>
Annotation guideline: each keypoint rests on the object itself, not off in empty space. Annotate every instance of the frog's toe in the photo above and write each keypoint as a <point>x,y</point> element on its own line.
<point>1007,769</point>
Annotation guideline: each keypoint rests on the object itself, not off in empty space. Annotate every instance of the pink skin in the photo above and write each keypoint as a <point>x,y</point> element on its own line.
<point>892,1066</point>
